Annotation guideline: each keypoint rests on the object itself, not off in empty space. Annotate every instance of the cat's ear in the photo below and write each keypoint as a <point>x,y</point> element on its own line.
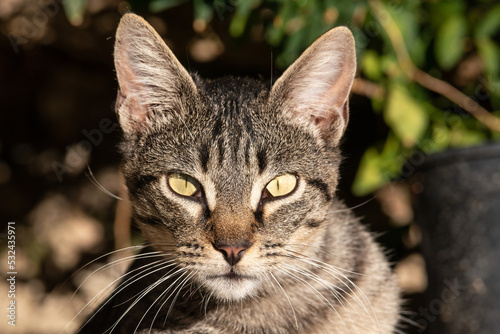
<point>152,81</point>
<point>314,90</point>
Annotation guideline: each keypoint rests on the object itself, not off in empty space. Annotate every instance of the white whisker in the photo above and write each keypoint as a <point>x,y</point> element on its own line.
<point>352,207</point>
<point>121,287</point>
<point>155,301</point>
<point>289,301</point>
<point>162,266</point>
<point>94,181</point>
<point>102,292</point>
<point>325,284</point>
<point>334,271</point>
<point>117,262</point>
<point>317,293</point>
<point>151,287</point>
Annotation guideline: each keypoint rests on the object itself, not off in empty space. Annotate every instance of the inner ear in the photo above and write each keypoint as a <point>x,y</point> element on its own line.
<point>151,80</point>
<point>315,89</point>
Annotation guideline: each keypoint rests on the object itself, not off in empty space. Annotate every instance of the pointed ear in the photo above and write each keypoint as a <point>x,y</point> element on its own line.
<point>152,81</point>
<point>314,90</point>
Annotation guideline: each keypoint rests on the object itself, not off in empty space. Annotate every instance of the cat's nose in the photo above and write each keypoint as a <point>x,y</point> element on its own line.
<point>232,254</point>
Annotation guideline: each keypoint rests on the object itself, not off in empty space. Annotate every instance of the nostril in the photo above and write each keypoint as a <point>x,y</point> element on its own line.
<point>232,254</point>
<point>223,252</point>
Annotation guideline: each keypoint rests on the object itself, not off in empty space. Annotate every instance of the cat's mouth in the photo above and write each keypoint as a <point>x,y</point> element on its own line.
<point>231,276</point>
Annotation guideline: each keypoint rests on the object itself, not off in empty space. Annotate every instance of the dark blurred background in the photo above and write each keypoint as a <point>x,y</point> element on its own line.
<point>57,95</point>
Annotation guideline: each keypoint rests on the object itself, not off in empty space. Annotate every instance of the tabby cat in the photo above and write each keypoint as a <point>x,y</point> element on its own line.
<point>233,184</point>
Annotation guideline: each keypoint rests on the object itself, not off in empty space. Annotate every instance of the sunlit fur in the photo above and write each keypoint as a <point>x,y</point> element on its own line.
<point>309,265</point>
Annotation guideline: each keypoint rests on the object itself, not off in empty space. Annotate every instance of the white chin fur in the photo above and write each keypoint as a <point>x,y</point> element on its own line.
<point>231,290</point>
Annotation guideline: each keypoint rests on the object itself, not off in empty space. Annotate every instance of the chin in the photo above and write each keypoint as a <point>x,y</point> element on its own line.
<point>231,287</point>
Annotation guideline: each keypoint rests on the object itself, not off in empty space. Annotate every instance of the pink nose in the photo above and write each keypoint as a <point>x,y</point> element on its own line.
<point>232,254</point>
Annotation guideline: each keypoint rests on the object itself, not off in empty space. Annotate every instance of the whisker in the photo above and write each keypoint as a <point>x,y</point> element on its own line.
<point>158,264</point>
<point>126,249</point>
<point>142,295</point>
<point>155,301</point>
<point>121,287</point>
<point>353,207</point>
<point>327,285</point>
<point>289,301</point>
<point>207,301</point>
<point>333,271</point>
<point>330,265</point>
<point>272,283</point>
<point>316,292</point>
<point>330,286</point>
<point>182,284</point>
<point>94,181</point>
<point>198,286</point>
<point>117,262</point>
<point>101,293</point>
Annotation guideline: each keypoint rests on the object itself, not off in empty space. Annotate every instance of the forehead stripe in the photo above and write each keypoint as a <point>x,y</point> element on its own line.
<point>220,146</point>
<point>262,160</point>
<point>204,153</point>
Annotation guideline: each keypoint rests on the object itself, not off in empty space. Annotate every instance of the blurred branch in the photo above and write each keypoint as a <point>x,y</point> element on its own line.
<point>367,88</point>
<point>436,85</point>
<point>123,218</point>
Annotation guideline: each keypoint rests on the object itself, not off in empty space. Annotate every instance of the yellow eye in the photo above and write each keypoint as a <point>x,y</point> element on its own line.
<point>183,184</point>
<point>282,185</point>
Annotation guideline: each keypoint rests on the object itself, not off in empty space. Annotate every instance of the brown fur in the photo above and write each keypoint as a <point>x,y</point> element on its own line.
<point>309,266</point>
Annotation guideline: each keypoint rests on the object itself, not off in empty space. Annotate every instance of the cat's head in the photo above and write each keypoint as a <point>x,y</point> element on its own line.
<point>230,177</point>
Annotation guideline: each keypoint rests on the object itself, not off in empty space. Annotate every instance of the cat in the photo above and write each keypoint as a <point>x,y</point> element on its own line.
<point>233,184</point>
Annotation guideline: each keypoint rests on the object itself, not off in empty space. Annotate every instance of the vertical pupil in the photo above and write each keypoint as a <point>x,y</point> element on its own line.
<point>278,184</point>
<point>186,184</point>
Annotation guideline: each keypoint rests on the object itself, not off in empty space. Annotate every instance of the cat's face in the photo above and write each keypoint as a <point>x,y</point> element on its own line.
<point>229,178</point>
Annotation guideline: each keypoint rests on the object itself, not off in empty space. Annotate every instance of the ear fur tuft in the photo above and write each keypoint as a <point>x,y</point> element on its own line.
<point>315,88</point>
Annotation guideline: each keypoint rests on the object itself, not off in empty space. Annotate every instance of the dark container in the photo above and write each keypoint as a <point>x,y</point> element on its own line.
<point>457,205</point>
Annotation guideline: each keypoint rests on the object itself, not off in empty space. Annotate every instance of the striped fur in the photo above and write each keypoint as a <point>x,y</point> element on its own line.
<point>311,267</point>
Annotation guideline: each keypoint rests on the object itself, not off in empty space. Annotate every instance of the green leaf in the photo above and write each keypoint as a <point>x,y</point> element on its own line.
<point>418,51</point>
<point>377,169</point>
<point>405,116</point>
<point>238,24</point>
<point>75,10</point>
<point>160,5</point>
<point>440,138</point>
<point>439,11</point>
<point>490,55</point>
<point>449,44</point>
<point>370,63</point>
<point>406,20</point>
<point>239,21</point>
<point>275,34</point>
<point>462,137</point>
<point>489,24</point>
<point>202,10</point>
<point>389,65</point>
<point>369,175</point>
<point>294,44</point>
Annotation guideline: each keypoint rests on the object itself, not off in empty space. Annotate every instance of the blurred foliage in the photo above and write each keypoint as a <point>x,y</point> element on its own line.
<point>457,41</point>
<point>75,10</point>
